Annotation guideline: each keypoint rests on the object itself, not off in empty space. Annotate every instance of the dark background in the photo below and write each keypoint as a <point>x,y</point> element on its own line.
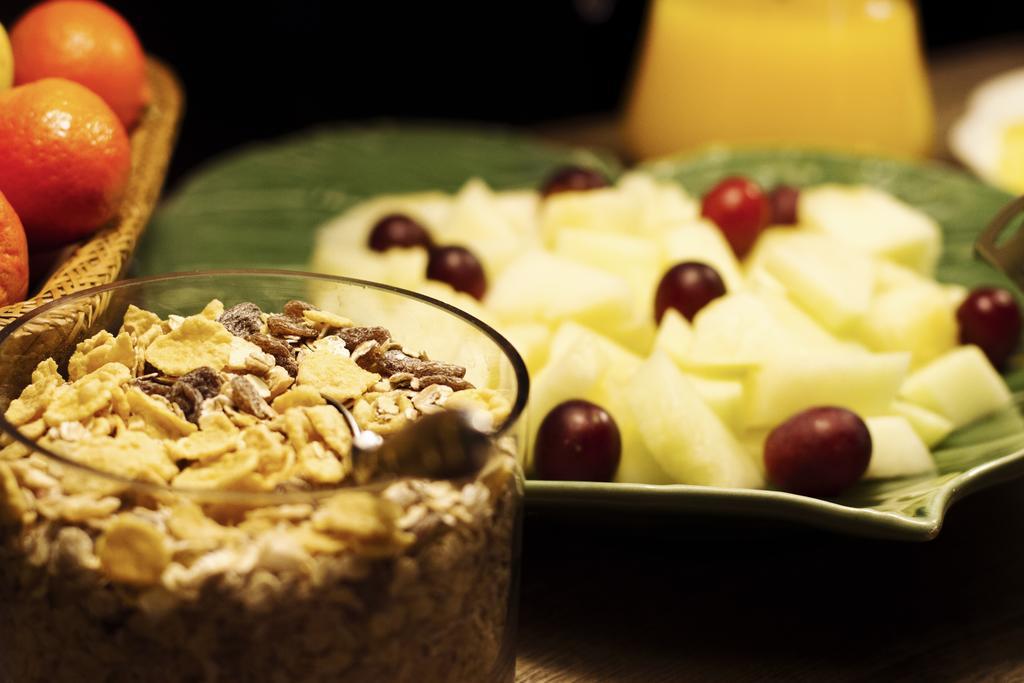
<point>258,70</point>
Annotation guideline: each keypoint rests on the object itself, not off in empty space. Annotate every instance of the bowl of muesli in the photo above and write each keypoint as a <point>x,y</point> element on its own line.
<point>186,493</point>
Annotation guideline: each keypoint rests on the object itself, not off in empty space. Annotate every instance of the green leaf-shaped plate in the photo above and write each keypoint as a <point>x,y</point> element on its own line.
<point>261,207</point>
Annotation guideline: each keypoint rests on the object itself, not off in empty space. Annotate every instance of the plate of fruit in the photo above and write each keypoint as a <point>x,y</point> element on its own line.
<point>791,335</point>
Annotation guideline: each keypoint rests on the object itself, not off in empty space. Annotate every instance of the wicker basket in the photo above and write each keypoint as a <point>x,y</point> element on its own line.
<point>104,256</point>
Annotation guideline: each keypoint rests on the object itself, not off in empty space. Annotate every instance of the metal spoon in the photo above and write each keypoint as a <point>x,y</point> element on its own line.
<point>443,445</point>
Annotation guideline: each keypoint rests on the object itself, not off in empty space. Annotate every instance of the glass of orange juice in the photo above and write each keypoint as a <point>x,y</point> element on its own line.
<point>840,74</point>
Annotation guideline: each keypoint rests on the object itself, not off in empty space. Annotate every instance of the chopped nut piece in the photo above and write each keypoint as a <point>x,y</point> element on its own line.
<point>431,398</point>
<point>242,319</point>
<point>326,319</point>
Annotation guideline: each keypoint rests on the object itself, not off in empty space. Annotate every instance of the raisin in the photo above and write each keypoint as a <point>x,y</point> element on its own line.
<point>280,350</point>
<point>242,319</point>
<point>394,360</point>
<point>246,399</point>
<point>288,326</point>
<point>354,336</point>
<point>205,380</point>
<point>188,398</point>
<point>296,308</point>
<point>153,388</point>
<point>456,383</point>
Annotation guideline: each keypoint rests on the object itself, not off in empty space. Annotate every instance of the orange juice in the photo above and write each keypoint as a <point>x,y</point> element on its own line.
<point>842,74</point>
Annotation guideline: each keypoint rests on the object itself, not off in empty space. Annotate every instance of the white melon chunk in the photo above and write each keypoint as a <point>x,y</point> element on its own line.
<point>521,208</point>
<point>828,280</point>
<point>873,222</point>
<point>398,267</point>
<point>960,385</point>
<point>541,287</point>
<point>659,203</point>
<point>637,464</point>
<point>619,362</point>
<point>635,259</point>
<point>701,240</point>
<point>896,449</point>
<point>602,210</point>
<point>865,383</point>
<point>740,330</point>
<point>724,396</point>
<point>674,335</point>
<point>916,318</point>
<point>683,434</point>
<point>532,341</point>
<point>477,222</point>
<point>930,426</point>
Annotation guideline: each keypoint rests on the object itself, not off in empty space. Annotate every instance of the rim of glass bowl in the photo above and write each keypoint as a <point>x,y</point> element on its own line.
<point>256,498</point>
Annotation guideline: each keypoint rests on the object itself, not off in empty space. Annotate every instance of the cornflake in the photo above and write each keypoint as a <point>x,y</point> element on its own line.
<point>133,551</point>
<point>162,421</point>
<point>198,341</point>
<point>298,397</point>
<point>144,326</point>
<point>36,396</point>
<point>98,350</point>
<point>336,377</point>
<point>87,396</point>
<point>216,436</point>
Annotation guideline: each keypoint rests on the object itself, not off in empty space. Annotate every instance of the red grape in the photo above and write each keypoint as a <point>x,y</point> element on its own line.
<point>577,441</point>
<point>687,287</point>
<point>459,268</point>
<point>573,179</point>
<point>819,452</point>
<point>784,200</point>
<point>740,209</point>
<point>990,318</point>
<point>398,230</point>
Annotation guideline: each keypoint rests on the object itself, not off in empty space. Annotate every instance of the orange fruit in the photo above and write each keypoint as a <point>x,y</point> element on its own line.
<point>86,42</point>
<point>13,256</point>
<point>64,159</point>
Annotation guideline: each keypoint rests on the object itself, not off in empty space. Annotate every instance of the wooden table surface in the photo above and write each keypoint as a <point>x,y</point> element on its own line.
<point>655,600</point>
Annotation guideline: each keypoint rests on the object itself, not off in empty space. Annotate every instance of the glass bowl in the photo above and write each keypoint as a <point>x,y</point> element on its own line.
<point>108,578</point>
